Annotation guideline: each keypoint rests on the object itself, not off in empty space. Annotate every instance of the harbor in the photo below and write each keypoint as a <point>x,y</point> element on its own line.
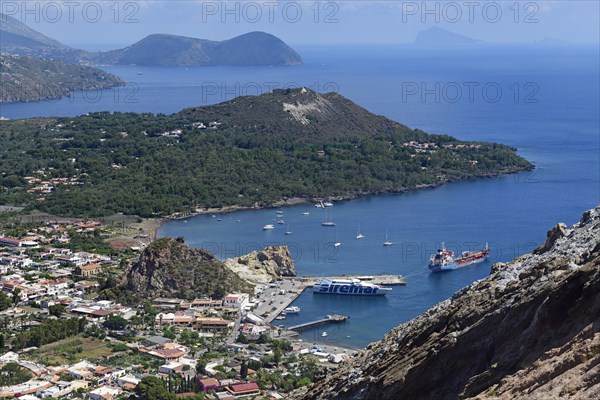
<point>281,294</point>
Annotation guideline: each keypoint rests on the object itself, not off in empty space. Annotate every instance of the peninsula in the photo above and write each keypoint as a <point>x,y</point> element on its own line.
<point>251,151</point>
<point>32,79</point>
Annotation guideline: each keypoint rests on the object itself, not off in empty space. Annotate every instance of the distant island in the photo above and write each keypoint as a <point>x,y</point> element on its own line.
<point>435,36</point>
<point>252,151</point>
<point>32,79</point>
<point>254,48</point>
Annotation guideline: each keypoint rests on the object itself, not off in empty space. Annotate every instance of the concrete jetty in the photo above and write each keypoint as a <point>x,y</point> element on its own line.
<point>320,321</point>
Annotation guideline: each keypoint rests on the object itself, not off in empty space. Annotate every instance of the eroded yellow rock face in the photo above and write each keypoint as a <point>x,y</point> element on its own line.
<point>263,266</point>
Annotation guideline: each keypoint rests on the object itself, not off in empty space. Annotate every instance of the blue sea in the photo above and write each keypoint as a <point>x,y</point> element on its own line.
<point>542,100</point>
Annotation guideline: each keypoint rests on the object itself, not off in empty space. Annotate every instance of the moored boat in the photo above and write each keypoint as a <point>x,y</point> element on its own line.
<point>328,222</point>
<point>359,235</point>
<point>387,242</point>
<point>349,287</point>
<point>444,259</point>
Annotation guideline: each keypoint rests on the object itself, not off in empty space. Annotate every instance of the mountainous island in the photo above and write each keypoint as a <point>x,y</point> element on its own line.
<point>528,331</point>
<point>254,48</point>
<point>19,39</point>
<point>436,36</point>
<point>251,151</point>
<point>27,78</point>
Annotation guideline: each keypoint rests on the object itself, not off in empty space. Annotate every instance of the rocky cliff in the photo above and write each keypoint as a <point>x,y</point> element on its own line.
<point>531,330</point>
<point>168,267</point>
<point>265,265</point>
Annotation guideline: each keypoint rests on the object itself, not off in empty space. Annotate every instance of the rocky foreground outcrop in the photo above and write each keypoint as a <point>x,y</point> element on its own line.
<point>263,266</point>
<point>168,267</point>
<point>531,330</point>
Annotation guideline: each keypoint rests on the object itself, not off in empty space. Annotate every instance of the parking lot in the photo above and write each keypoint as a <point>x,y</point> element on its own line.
<point>277,296</point>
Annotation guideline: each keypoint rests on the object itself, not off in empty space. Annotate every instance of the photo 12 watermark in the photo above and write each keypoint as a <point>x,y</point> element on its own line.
<point>125,12</point>
<point>470,92</point>
<point>220,91</point>
<point>253,12</point>
<point>421,252</point>
<point>409,253</point>
<point>313,252</point>
<point>453,12</point>
<point>126,93</point>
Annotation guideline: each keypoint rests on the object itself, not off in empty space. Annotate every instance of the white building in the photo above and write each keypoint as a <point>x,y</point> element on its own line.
<point>236,300</point>
<point>128,380</point>
<point>104,393</point>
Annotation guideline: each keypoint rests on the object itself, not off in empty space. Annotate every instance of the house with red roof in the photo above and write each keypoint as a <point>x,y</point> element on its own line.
<point>239,390</point>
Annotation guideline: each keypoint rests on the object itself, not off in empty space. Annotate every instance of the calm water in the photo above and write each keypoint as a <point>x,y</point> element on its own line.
<point>543,101</point>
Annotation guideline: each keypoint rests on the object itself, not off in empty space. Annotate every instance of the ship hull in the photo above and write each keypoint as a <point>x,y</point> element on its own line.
<point>457,264</point>
<point>349,290</point>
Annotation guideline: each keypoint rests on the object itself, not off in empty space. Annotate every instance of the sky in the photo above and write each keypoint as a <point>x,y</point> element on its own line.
<point>117,23</point>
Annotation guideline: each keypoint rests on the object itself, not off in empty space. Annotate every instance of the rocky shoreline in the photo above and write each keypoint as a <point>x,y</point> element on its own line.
<point>294,201</point>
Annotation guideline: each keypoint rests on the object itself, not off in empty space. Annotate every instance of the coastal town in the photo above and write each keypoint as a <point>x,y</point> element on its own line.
<point>61,338</point>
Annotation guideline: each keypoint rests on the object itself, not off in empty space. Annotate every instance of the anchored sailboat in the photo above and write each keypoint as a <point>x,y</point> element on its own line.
<point>337,240</point>
<point>387,241</point>
<point>328,221</point>
<point>358,234</point>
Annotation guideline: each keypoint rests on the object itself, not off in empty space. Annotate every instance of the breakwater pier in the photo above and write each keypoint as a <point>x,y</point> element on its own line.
<point>320,321</point>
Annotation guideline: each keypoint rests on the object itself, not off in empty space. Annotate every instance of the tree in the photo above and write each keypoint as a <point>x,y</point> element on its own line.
<point>201,366</point>
<point>115,323</point>
<point>48,332</point>
<point>254,364</point>
<point>4,301</point>
<point>56,310</point>
<point>244,370</point>
<point>277,355</point>
<point>263,338</point>
<point>12,374</point>
<point>169,334</point>
<point>16,296</point>
<point>153,388</point>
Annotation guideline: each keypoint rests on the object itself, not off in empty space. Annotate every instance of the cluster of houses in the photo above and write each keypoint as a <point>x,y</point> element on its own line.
<point>105,383</point>
<point>420,147</point>
<point>42,184</point>
<point>61,381</point>
<point>36,270</point>
<point>462,146</point>
<point>176,133</point>
<point>23,260</point>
